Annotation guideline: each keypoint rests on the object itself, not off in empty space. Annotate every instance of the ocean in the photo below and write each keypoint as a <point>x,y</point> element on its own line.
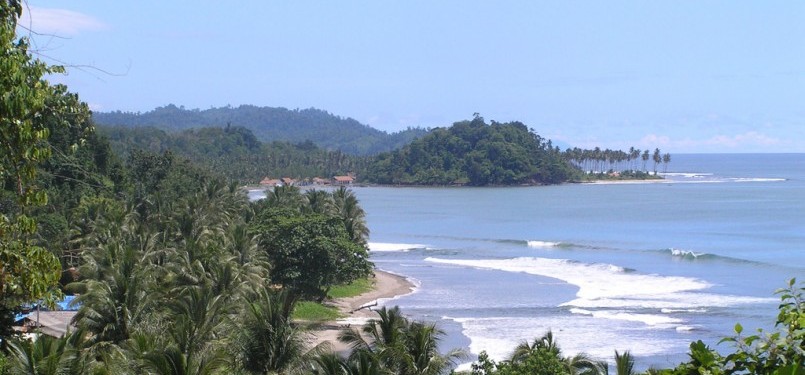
<point>644,267</point>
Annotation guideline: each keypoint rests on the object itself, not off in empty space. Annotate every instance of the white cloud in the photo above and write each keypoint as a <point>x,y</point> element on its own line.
<point>60,22</point>
<point>653,140</point>
<point>751,138</point>
<point>751,141</point>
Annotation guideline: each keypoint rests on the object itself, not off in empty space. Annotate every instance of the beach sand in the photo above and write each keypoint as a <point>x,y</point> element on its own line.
<point>355,310</point>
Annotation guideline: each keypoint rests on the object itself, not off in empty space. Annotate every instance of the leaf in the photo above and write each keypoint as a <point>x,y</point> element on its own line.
<point>738,328</point>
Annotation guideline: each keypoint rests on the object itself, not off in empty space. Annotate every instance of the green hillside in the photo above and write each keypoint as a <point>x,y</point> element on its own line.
<point>473,153</point>
<point>271,124</point>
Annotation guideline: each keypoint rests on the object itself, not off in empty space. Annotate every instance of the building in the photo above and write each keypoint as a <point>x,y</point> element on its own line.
<point>270,182</point>
<point>343,180</point>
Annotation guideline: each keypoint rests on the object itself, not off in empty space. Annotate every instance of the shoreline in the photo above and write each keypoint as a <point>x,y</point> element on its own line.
<point>359,309</point>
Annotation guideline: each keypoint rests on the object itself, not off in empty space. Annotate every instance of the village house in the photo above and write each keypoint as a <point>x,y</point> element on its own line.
<point>270,182</point>
<point>343,180</point>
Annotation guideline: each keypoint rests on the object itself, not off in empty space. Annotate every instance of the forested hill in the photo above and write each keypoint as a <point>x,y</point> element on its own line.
<point>234,152</point>
<point>271,124</point>
<point>474,153</point>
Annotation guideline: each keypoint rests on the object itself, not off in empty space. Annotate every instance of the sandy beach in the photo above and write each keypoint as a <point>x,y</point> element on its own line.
<point>357,310</point>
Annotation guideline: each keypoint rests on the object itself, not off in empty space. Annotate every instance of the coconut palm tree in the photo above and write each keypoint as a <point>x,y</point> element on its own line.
<point>348,208</point>
<point>171,360</point>
<point>267,341</point>
<point>422,355</point>
<point>44,356</point>
<point>409,348</point>
<point>525,349</point>
<point>582,364</point>
<point>360,363</point>
<point>624,363</point>
<point>319,202</point>
<point>114,295</point>
<point>287,196</point>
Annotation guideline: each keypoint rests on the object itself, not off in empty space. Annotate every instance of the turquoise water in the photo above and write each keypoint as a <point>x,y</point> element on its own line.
<point>640,267</point>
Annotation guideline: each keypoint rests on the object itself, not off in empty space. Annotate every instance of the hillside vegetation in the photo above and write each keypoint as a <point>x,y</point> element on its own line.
<point>235,152</point>
<point>474,153</point>
<point>271,124</point>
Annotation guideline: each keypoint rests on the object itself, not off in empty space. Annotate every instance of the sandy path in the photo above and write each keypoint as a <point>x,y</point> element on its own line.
<point>386,285</point>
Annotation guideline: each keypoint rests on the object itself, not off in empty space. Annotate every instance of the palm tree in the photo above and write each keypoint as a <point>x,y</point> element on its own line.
<point>657,159</point>
<point>408,348</point>
<point>582,364</point>
<point>267,341</point>
<point>645,157</point>
<point>319,202</point>
<point>360,363</point>
<point>422,352</point>
<point>624,363</point>
<point>44,356</point>
<point>665,160</point>
<point>285,196</point>
<point>114,296</point>
<point>171,360</point>
<point>544,344</point>
<point>348,208</point>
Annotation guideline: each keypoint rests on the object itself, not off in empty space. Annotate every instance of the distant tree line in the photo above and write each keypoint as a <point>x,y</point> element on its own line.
<point>270,124</point>
<point>597,161</point>
<point>235,153</point>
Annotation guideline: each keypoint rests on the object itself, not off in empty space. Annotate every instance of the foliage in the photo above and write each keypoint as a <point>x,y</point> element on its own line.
<point>268,342</point>
<point>234,152</point>
<point>779,352</point>
<point>352,289</point>
<point>541,356</point>
<point>609,164</point>
<point>31,109</point>
<point>309,253</point>
<point>271,124</point>
<point>399,346</point>
<point>473,153</point>
<point>315,312</point>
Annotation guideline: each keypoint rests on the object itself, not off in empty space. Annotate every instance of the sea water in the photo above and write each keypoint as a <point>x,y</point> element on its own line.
<point>645,267</point>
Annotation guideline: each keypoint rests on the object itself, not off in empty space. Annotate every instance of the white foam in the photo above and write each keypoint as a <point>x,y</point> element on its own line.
<point>673,311</point>
<point>610,286</point>
<point>383,246</point>
<point>686,174</point>
<point>542,244</point>
<point>742,179</point>
<point>686,328</point>
<point>659,321</point>
<point>685,253</point>
<point>498,336</point>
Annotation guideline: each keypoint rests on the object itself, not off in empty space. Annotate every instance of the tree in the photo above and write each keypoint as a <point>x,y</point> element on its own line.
<point>309,253</point>
<point>666,159</point>
<point>27,272</point>
<point>624,363</point>
<point>267,341</point>
<point>401,346</point>
<point>657,158</point>
<point>645,157</point>
<point>541,356</point>
<point>347,207</point>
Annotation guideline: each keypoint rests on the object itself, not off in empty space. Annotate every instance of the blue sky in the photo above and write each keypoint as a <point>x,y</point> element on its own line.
<point>684,76</point>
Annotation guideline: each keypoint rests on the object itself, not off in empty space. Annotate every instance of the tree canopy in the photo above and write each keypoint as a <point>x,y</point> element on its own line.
<point>272,124</point>
<point>473,153</point>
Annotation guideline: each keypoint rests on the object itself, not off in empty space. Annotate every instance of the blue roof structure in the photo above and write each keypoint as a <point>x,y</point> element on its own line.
<point>65,304</point>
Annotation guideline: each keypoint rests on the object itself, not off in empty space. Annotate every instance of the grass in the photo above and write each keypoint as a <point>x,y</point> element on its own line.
<point>357,287</point>
<point>313,311</point>
<point>316,312</point>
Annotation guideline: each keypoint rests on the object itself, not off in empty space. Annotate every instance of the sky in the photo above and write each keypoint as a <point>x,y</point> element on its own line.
<point>682,76</point>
